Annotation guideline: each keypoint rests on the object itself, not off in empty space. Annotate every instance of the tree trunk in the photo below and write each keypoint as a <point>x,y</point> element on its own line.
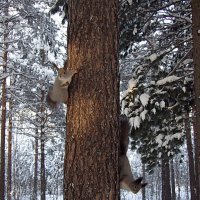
<point>196,157</point>
<point>143,189</point>
<point>42,140</point>
<point>172,180</point>
<point>178,179</point>
<point>14,168</point>
<point>190,157</point>
<point>187,181</point>
<point>35,167</point>
<point>9,167</point>
<point>196,58</point>
<point>91,154</point>
<point>166,187</point>
<point>3,114</point>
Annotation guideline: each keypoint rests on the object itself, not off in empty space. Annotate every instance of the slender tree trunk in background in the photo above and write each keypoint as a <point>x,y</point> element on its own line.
<point>176,163</point>
<point>166,187</point>
<point>14,168</point>
<point>156,190</point>
<point>3,113</point>
<point>9,167</point>
<point>157,187</point>
<point>196,157</point>
<point>91,154</point>
<point>173,185</point>
<point>42,145</point>
<point>190,158</point>
<point>187,181</point>
<point>196,58</point>
<point>35,166</point>
<point>143,189</point>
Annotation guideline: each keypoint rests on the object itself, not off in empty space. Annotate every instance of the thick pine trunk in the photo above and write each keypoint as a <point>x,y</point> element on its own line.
<point>196,57</point>
<point>91,159</point>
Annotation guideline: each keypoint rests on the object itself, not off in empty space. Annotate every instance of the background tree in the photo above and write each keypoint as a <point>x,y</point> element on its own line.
<point>4,61</point>
<point>156,51</point>
<point>196,54</point>
<point>28,20</point>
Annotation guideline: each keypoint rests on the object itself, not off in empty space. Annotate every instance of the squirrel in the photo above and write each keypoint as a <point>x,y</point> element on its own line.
<point>59,92</point>
<point>127,181</point>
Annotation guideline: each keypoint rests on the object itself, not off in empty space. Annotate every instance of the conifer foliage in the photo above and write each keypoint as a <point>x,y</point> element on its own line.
<point>161,88</point>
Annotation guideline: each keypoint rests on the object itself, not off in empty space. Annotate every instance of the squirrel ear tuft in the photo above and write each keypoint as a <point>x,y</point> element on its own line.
<point>55,67</point>
<point>138,181</point>
<point>144,184</point>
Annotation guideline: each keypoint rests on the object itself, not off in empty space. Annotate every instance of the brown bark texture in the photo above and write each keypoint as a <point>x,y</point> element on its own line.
<point>196,57</point>
<point>91,154</point>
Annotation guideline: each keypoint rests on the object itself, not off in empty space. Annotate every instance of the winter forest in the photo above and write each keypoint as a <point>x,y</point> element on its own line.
<point>139,58</point>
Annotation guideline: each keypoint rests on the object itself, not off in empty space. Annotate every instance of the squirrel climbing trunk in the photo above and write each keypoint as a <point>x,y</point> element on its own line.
<point>127,181</point>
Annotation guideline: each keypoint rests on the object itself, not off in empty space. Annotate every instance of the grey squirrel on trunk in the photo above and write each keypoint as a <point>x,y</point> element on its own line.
<point>59,92</point>
<point>127,181</point>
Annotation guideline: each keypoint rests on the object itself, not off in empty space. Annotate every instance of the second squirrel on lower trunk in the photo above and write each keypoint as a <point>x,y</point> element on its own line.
<point>127,181</point>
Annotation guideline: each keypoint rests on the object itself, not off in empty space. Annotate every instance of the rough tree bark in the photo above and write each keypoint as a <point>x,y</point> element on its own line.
<point>196,57</point>
<point>91,159</point>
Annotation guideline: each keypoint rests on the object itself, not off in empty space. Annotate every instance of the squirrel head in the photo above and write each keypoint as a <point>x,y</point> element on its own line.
<point>65,73</point>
